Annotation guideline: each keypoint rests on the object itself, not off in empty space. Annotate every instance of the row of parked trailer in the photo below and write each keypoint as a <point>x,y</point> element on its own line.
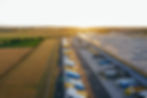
<point>73,83</point>
<point>122,79</point>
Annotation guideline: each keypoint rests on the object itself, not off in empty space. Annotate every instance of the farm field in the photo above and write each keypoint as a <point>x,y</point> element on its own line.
<point>9,57</point>
<point>19,42</point>
<point>26,80</point>
<point>53,32</point>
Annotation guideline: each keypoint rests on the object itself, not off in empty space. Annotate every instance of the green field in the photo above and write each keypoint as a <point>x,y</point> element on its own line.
<point>27,42</point>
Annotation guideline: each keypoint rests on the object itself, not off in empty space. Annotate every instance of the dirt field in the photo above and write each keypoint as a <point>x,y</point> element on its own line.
<point>10,56</point>
<point>25,80</point>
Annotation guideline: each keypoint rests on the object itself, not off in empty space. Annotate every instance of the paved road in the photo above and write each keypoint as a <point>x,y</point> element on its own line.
<point>97,87</point>
<point>59,91</point>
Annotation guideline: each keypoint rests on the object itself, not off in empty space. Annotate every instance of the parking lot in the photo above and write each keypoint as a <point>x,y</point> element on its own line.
<point>117,82</point>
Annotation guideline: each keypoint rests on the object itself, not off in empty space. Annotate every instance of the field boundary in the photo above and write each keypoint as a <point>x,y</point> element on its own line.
<point>19,62</point>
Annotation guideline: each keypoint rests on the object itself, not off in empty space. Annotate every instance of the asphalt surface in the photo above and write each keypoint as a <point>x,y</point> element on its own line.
<point>97,68</point>
<point>59,90</point>
<point>97,88</point>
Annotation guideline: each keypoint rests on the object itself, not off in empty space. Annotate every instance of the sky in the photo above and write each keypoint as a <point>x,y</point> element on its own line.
<point>73,13</point>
